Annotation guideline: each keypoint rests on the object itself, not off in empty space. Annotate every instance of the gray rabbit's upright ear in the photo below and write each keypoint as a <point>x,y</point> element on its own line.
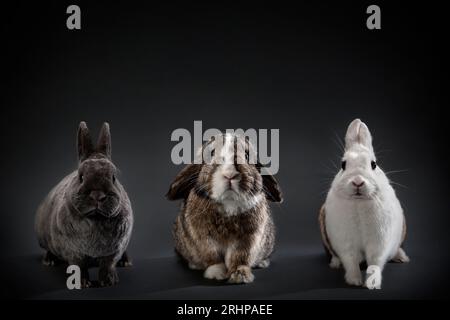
<point>184,182</point>
<point>358,133</point>
<point>271,188</point>
<point>104,141</point>
<point>84,142</point>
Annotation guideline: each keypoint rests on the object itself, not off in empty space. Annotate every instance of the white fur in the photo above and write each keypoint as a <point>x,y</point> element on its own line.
<point>216,271</point>
<point>263,264</point>
<point>193,266</point>
<point>335,263</point>
<point>231,199</point>
<point>365,226</point>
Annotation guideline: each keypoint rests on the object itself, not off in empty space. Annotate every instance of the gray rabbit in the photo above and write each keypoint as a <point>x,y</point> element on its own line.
<point>87,218</point>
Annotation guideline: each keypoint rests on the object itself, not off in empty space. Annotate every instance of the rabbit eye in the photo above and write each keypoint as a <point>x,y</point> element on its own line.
<point>373,164</point>
<point>114,178</point>
<point>81,178</point>
<point>343,164</point>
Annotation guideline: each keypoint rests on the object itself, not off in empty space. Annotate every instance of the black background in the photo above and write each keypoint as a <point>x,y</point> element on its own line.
<point>148,69</point>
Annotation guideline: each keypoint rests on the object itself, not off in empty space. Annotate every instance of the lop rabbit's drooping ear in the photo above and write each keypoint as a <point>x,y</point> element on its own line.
<point>358,133</point>
<point>84,142</point>
<point>184,182</point>
<point>272,189</point>
<point>104,141</point>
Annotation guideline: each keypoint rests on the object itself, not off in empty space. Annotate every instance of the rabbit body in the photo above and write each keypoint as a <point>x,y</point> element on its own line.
<point>225,226</point>
<point>204,236</point>
<point>362,219</point>
<point>87,218</point>
<point>364,231</point>
<point>71,237</point>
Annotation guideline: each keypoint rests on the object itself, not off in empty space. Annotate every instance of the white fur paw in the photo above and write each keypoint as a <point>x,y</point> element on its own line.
<point>335,263</point>
<point>243,274</point>
<point>193,266</point>
<point>373,280</point>
<point>263,264</point>
<point>216,271</point>
<point>354,279</point>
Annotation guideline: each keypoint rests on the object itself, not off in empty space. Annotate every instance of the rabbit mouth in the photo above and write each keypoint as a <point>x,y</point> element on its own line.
<point>98,213</point>
<point>358,195</point>
<point>361,196</point>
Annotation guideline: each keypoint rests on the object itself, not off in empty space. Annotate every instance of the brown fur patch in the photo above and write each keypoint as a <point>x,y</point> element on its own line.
<point>201,229</point>
<point>323,230</point>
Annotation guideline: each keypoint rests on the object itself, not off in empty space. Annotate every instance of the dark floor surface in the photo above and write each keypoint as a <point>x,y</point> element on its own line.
<point>300,273</point>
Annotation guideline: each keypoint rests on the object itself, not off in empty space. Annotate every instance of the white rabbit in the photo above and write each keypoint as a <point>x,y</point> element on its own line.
<point>362,219</point>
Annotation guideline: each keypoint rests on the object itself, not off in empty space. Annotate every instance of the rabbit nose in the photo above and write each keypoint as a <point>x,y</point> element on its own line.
<point>98,196</point>
<point>358,185</point>
<point>231,176</point>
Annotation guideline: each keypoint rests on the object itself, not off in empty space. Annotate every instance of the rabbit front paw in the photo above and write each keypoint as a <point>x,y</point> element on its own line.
<point>108,277</point>
<point>50,259</point>
<point>353,278</point>
<point>216,271</point>
<point>85,283</point>
<point>125,261</point>
<point>242,274</point>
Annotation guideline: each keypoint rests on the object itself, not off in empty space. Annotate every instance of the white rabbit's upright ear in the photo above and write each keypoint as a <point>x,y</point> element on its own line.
<point>84,142</point>
<point>358,133</point>
<point>104,141</point>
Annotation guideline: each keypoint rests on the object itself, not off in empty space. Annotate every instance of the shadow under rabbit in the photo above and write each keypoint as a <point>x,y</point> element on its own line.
<point>292,273</point>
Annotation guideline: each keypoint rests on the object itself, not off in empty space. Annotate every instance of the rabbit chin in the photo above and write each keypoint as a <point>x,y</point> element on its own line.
<point>351,194</point>
<point>93,211</point>
<point>359,196</point>
<point>232,202</point>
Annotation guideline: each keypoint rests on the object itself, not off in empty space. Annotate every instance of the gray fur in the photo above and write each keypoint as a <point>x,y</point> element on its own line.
<point>77,228</point>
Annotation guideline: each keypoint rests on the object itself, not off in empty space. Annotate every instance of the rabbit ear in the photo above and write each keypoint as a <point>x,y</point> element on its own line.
<point>184,182</point>
<point>272,189</point>
<point>358,132</point>
<point>104,141</point>
<point>84,142</point>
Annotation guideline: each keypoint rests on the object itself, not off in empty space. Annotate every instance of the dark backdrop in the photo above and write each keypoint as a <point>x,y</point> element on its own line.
<point>148,69</point>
